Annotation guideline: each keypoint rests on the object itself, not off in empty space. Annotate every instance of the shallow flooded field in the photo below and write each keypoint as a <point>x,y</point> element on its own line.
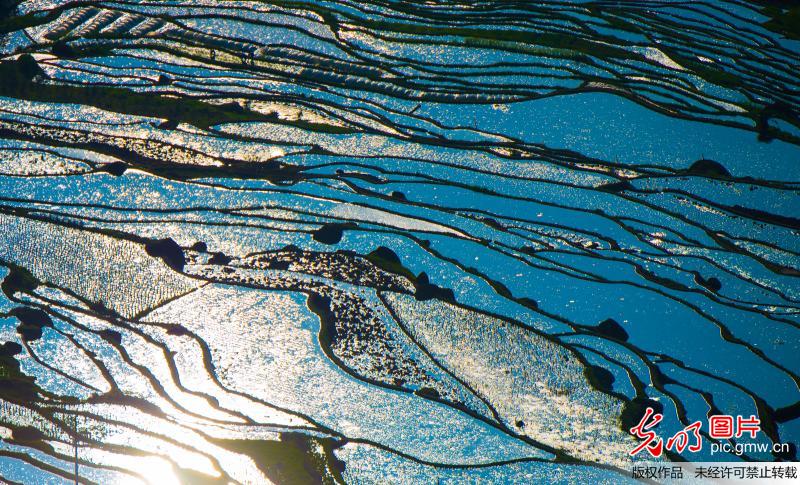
<point>393,242</point>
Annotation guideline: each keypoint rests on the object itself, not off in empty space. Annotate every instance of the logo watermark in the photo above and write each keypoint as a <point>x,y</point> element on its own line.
<point>720,427</point>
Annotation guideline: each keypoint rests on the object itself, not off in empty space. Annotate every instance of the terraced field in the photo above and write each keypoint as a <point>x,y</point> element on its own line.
<point>392,242</point>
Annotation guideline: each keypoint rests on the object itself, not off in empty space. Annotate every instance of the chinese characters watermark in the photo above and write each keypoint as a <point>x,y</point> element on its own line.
<point>721,427</point>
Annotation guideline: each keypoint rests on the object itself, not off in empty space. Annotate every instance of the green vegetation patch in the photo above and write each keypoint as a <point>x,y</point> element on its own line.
<point>17,79</point>
<point>786,22</point>
<point>295,459</point>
